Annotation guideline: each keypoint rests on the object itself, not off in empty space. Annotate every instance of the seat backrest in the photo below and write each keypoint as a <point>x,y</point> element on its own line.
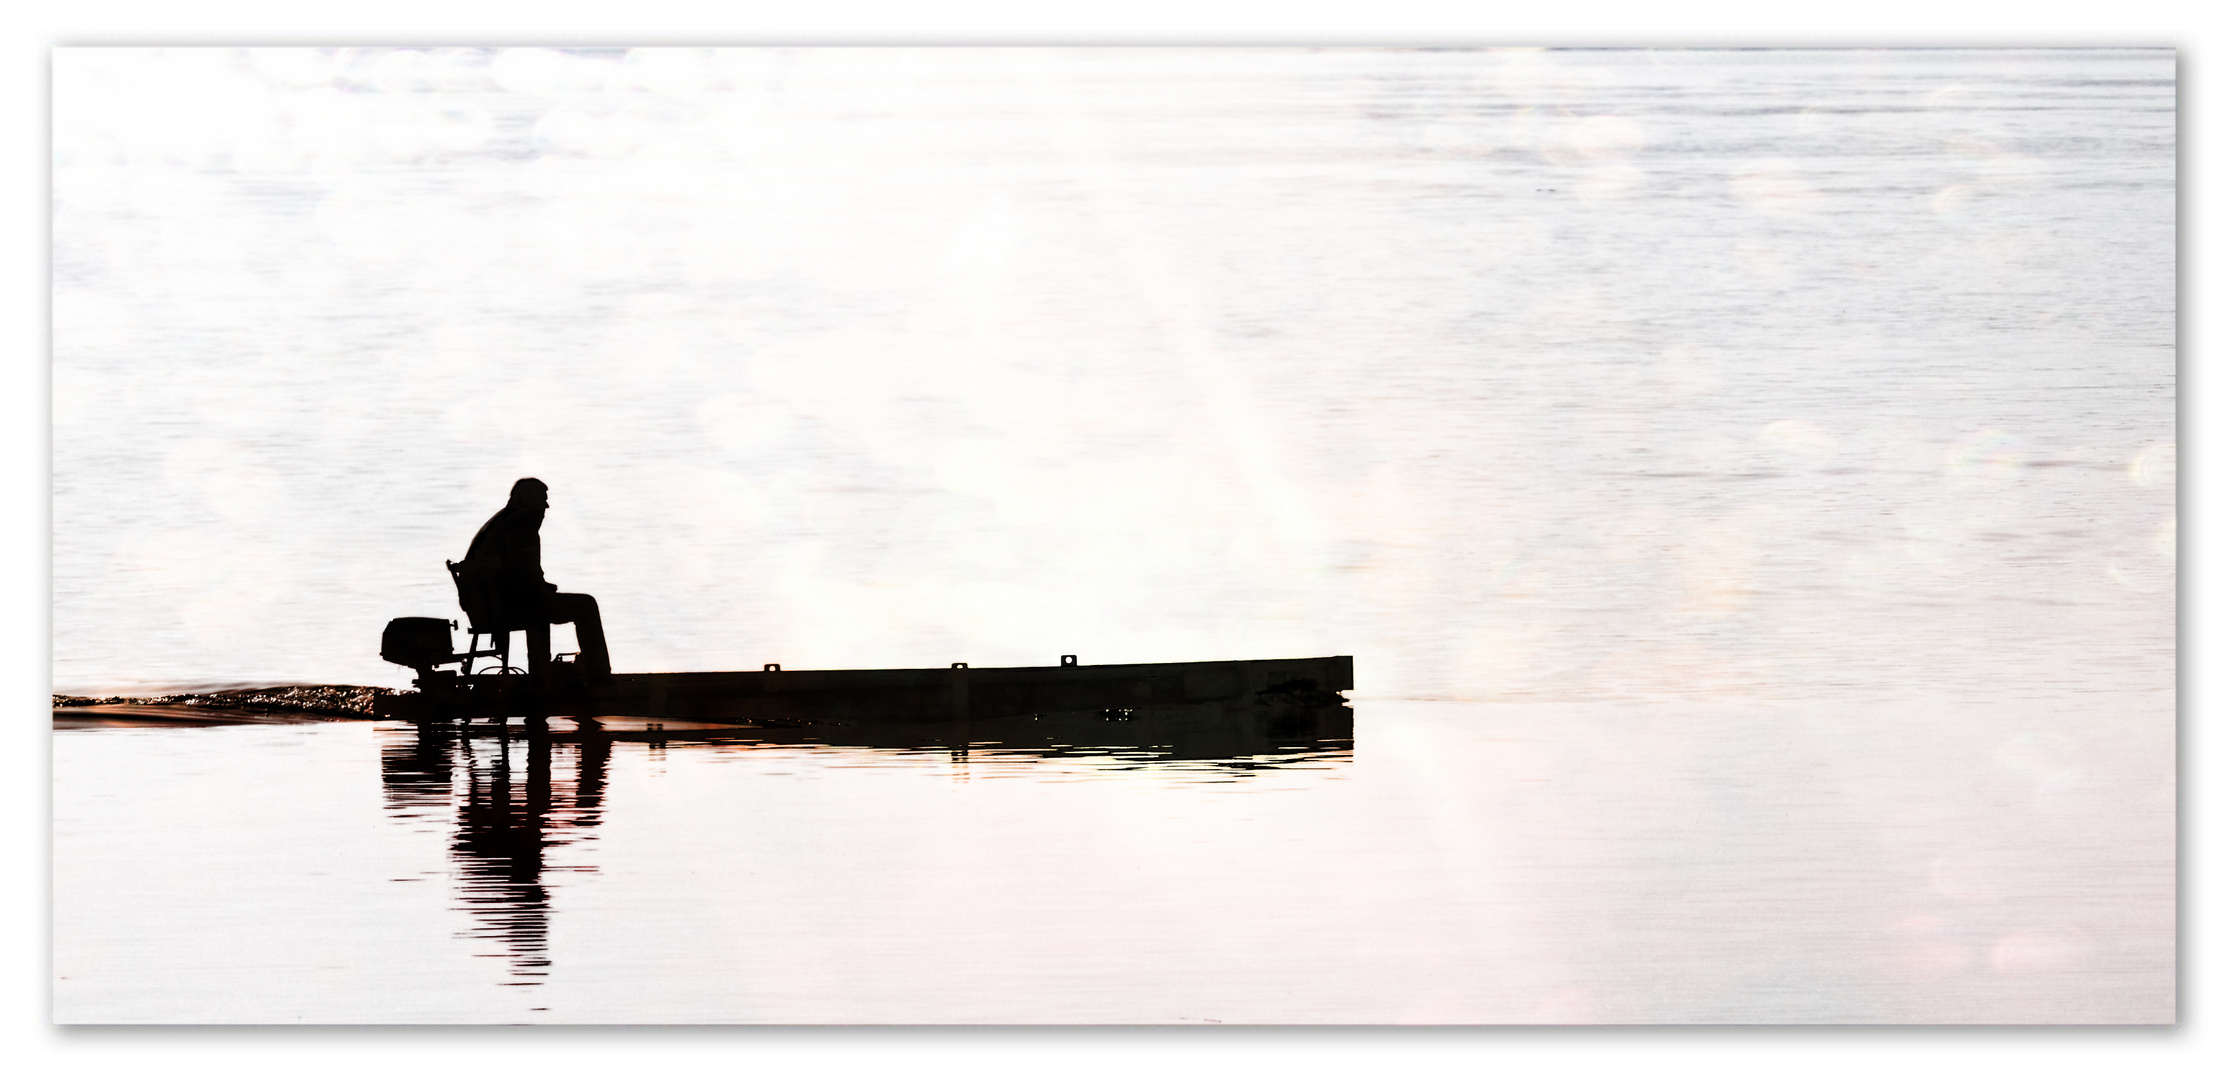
<point>477,596</point>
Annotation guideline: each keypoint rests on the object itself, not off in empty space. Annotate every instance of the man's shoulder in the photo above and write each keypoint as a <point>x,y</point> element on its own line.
<point>487,542</point>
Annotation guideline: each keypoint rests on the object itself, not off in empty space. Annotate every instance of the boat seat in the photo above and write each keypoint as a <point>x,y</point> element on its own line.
<point>483,619</point>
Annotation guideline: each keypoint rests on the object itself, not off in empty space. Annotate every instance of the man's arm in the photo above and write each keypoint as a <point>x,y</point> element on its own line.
<point>524,556</point>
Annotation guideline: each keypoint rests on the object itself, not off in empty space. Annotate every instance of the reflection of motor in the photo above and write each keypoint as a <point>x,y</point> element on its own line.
<point>423,644</point>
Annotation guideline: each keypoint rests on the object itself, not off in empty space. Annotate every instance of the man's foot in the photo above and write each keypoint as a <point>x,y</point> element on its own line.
<point>558,675</point>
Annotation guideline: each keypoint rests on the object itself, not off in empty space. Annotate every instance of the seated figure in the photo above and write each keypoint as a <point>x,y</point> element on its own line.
<point>502,589</point>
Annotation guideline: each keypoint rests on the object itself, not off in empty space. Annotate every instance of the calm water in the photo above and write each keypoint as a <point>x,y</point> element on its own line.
<point>1745,479</point>
<point>1469,863</point>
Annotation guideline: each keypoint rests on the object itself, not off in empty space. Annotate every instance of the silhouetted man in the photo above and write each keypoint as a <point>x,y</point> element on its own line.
<point>503,568</point>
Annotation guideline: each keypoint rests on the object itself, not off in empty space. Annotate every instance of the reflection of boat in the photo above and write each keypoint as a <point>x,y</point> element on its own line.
<point>1241,734</point>
<point>956,693</point>
<point>525,800</point>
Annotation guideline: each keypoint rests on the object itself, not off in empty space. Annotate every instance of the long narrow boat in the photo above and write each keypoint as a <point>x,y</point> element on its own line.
<point>954,693</point>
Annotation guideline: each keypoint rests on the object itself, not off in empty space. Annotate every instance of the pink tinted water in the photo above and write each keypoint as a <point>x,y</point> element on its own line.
<point>1468,863</point>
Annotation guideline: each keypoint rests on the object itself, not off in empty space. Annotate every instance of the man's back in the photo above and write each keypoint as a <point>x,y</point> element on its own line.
<point>506,554</point>
<point>503,564</point>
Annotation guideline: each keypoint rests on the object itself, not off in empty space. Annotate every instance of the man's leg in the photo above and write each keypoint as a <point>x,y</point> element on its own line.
<point>537,648</point>
<point>586,618</point>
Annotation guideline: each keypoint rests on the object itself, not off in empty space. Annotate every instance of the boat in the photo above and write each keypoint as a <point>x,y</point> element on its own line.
<point>957,692</point>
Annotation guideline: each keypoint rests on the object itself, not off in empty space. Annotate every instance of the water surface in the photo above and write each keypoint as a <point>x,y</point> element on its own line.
<point>1517,374</point>
<point>1460,863</point>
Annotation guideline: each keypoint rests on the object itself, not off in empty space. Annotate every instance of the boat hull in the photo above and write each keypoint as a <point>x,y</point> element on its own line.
<point>956,693</point>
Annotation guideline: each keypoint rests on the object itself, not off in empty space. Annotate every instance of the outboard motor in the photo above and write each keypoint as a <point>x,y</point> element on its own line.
<point>418,643</point>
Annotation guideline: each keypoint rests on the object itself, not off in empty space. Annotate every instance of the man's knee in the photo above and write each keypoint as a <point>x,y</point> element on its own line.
<point>572,607</point>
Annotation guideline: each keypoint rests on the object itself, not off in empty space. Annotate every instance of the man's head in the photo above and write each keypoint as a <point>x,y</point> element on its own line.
<point>530,492</point>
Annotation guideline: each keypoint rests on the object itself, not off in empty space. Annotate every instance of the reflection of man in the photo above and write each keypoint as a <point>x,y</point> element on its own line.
<point>504,564</point>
